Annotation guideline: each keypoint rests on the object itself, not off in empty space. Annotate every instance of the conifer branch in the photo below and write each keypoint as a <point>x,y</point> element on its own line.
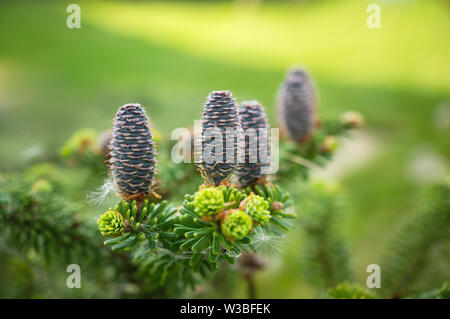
<point>324,251</point>
<point>410,248</point>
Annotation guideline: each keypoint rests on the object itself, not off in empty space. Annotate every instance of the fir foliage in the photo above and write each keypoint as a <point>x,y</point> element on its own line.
<point>411,247</point>
<point>349,291</point>
<point>45,223</point>
<point>324,251</point>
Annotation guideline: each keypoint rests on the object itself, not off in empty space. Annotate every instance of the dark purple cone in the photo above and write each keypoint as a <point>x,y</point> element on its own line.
<point>133,155</point>
<point>253,118</point>
<point>297,105</point>
<point>219,113</point>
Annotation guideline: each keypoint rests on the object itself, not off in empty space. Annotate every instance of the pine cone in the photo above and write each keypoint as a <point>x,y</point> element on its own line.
<point>219,113</point>
<point>133,155</point>
<point>253,116</point>
<point>297,105</point>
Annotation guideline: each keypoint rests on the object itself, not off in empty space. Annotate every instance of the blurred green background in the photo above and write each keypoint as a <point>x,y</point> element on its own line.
<point>168,56</point>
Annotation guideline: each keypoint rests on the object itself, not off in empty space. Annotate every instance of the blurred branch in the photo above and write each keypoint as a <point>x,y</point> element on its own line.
<point>409,251</point>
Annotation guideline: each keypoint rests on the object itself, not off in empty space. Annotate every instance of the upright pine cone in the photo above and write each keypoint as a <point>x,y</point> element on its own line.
<point>219,115</point>
<point>133,155</point>
<point>253,121</point>
<point>297,105</point>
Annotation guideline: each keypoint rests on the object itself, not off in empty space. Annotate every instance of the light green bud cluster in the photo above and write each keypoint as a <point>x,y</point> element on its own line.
<point>258,208</point>
<point>208,202</point>
<point>80,142</point>
<point>111,224</point>
<point>236,224</point>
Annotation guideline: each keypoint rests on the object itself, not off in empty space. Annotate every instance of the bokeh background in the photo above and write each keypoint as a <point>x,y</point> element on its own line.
<point>168,56</point>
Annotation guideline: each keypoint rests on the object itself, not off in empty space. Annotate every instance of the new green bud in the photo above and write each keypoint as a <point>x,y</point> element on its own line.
<point>353,119</point>
<point>329,144</point>
<point>111,224</point>
<point>79,143</point>
<point>42,186</point>
<point>208,201</point>
<point>258,208</point>
<point>236,224</point>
